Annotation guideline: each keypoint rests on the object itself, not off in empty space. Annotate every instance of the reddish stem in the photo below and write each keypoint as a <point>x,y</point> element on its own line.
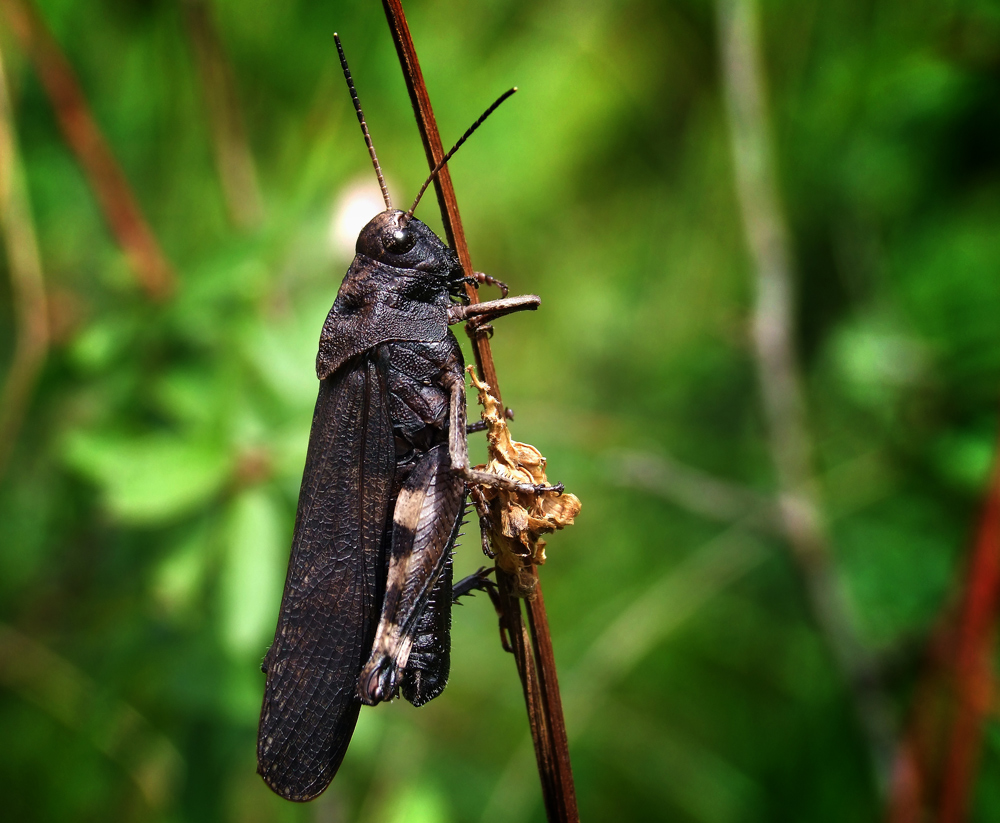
<point>936,765</point>
<point>973,674</point>
<point>532,651</point>
<point>120,208</point>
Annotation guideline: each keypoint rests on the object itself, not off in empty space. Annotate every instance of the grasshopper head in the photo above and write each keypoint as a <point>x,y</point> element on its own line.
<point>405,243</point>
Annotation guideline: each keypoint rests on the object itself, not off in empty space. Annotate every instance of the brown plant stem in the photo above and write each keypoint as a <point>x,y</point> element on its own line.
<point>532,649</point>
<point>974,683</point>
<point>108,182</point>
<point>31,342</point>
<point>233,159</point>
<point>955,696</point>
<point>767,239</point>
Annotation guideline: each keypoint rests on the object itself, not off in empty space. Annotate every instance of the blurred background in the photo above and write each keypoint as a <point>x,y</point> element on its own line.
<point>766,239</point>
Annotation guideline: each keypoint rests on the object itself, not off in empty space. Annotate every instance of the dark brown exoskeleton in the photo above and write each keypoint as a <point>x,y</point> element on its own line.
<point>366,610</point>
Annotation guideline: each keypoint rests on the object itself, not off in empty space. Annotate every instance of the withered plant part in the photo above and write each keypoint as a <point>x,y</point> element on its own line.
<point>513,522</point>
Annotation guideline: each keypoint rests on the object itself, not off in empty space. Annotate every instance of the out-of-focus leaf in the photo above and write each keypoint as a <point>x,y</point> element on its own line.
<point>250,583</point>
<point>181,575</point>
<point>896,562</point>
<point>419,802</point>
<point>966,458</point>
<point>100,344</point>
<point>878,365</point>
<point>150,479</point>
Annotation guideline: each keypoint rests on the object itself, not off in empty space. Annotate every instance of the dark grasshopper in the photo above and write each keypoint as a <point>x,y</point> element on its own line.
<point>366,610</point>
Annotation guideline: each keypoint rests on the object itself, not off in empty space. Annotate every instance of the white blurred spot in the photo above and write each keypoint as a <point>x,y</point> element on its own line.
<point>356,204</point>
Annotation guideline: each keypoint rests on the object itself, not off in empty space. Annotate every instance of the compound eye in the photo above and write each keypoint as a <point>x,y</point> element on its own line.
<point>400,241</point>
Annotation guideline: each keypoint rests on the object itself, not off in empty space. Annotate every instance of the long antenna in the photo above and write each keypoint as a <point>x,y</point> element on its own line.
<point>361,120</point>
<point>455,148</point>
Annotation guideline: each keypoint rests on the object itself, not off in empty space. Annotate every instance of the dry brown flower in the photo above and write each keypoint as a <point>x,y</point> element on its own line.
<point>515,521</point>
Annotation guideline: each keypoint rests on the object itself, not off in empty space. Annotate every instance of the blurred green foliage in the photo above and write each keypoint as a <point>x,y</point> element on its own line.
<point>148,505</point>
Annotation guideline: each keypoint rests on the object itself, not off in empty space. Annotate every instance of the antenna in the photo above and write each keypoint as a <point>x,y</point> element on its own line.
<point>361,120</point>
<point>456,147</point>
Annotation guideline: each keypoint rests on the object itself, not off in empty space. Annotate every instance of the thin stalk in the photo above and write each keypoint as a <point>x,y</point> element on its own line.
<point>800,509</point>
<point>532,649</point>
<point>31,343</point>
<point>938,758</point>
<point>114,195</point>
<point>233,158</point>
<point>974,683</point>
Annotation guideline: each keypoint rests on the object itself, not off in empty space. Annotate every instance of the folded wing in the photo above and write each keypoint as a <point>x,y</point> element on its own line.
<point>332,598</point>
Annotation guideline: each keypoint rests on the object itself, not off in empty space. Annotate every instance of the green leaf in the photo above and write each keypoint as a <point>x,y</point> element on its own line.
<point>150,479</point>
<point>252,572</point>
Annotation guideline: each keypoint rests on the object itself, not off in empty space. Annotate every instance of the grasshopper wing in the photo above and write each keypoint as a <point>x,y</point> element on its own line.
<point>332,595</point>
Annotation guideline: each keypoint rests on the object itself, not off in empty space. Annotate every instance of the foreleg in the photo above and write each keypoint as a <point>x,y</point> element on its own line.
<point>491,309</point>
